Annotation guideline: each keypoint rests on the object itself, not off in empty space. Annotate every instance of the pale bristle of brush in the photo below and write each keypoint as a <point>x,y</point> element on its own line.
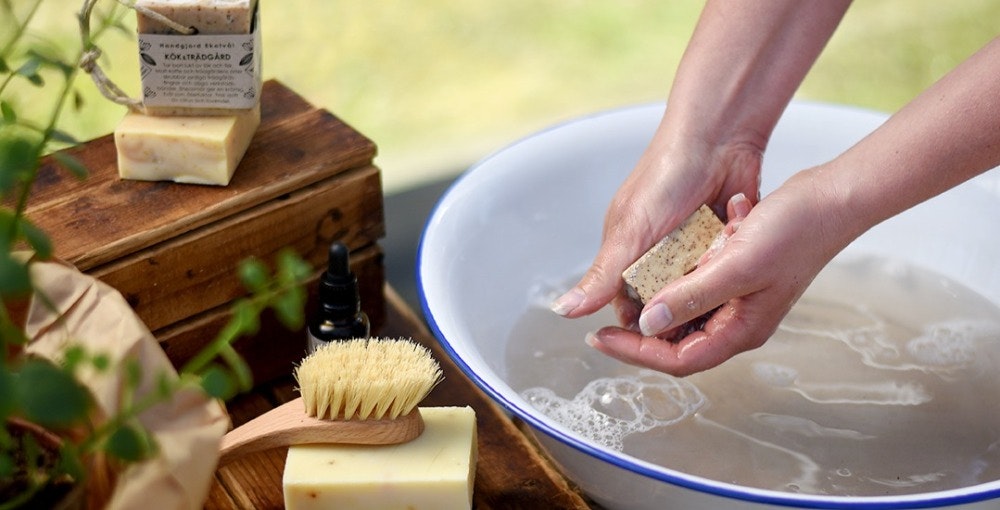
<point>366,378</point>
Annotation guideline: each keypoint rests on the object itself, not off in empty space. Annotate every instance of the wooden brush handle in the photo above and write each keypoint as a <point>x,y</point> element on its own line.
<point>288,425</point>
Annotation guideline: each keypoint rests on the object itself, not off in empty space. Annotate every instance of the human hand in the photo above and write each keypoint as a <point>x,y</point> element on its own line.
<point>768,258</point>
<point>664,188</point>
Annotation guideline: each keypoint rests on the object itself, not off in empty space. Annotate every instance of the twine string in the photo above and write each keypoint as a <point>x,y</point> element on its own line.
<point>88,61</point>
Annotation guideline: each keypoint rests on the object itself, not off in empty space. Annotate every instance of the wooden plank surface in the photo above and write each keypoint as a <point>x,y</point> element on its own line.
<point>510,473</point>
<point>184,276</point>
<point>271,352</point>
<point>172,250</point>
<point>105,218</point>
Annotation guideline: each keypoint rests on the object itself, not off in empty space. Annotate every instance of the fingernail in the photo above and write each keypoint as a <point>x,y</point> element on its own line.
<point>734,226</point>
<point>591,339</point>
<point>568,302</point>
<point>741,206</point>
<point>655,319</point>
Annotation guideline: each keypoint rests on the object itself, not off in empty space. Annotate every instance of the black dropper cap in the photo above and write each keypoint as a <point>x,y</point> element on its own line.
<point>339,316</point>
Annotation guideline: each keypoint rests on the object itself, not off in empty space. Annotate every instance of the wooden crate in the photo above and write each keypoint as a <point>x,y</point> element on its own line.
<point>172,250</point>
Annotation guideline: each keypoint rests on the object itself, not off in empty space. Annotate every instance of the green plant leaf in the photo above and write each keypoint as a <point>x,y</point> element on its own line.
<point>7,402</point>
<point>4,68</point>
<point>49,57</point>
<point>292,269</point>
<point>70,462</point>
<point>14,278</point>
<point>18,159</point>
<point>130,442</point>
<point>9,115</point>
<point>8,228</point>
<point>50,396</point>
<point>218,383</point>
<point>242,376</point>
<point>164,385</point>
<point>29,70</point>
<point>6,466</point>
<point>73,356</point>
<point>71,165</point>
<point>288,307</point>
<point>101,362</point>
<point>64,137</point>
<point>37,239</point>
<point>11,334</point>
<point>133,373</point>
<point>289,304</point>
<point>78,101</point>
<point>253,274</point>
<point>245,317</point>
<point>30,66</point>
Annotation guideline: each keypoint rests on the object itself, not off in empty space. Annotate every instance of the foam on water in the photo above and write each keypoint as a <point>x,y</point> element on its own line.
<point>611,408</point>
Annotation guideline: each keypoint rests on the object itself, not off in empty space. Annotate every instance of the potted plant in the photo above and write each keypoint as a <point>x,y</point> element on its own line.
<point>53,444</point>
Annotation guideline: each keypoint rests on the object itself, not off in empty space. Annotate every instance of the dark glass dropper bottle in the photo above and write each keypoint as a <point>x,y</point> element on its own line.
<point>339,316</point>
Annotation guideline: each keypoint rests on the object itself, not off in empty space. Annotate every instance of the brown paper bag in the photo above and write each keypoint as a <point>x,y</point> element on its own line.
<point>187,429</point>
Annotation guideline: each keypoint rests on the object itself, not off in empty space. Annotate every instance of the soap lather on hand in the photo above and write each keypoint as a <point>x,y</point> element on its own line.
<point>673,256</point>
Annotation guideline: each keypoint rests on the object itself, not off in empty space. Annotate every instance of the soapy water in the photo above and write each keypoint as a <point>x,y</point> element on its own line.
<point>611,408</point>
<point>939,347</point>
<point>883,379</point>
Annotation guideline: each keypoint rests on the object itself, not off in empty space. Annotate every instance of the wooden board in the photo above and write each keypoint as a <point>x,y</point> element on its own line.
<point>186,275</point>
<point>104,218</point>
<point>272,351</point>
<point>172,250</point>
<point>510,472</point>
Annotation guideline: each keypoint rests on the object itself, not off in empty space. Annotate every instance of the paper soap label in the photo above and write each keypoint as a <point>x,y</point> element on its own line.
<point>200,71</point>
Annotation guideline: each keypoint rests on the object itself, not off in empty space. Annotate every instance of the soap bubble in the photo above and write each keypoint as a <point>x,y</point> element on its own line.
<point>950,344</point>
<point>773,374</point>
<point>609,409</point>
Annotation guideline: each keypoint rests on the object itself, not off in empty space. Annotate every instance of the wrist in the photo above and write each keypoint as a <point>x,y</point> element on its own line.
<point>844,206</point>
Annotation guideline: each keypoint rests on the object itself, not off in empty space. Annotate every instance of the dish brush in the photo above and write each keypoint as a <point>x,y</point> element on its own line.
<point>360,391</point>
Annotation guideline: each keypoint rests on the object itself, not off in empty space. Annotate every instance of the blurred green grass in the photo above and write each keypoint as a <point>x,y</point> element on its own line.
<point>438,84</point>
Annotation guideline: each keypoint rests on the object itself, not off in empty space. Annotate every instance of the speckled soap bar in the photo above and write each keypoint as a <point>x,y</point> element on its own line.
<point>205,16</point>
<point>673,256</point>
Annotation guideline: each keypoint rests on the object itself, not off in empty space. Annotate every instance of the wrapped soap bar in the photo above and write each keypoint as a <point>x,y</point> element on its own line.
<point>212,71</point>
<point>435,471</point>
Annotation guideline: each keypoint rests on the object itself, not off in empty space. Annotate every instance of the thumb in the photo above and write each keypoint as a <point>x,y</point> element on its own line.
<point>598,286</point>
<point>694,295</point>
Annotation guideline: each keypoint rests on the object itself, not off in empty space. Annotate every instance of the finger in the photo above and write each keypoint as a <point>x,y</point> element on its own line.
<point>719,242</point>
<point>737,209</point>
<point>603,280</point>
<point>729,332</point>
<point>694,295</point>
<point>733,329</point>
<point>634,349</point>
<point>599,285</point>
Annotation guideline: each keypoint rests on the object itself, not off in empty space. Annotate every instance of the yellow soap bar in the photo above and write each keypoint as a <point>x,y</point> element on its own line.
<point>433,472</point>
<point>196,150</point>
